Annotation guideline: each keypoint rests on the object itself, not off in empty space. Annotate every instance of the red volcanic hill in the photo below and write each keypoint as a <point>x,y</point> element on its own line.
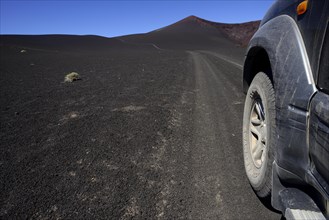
<point>241,33</point>
<point>197,33</point>
<point>188,34</point>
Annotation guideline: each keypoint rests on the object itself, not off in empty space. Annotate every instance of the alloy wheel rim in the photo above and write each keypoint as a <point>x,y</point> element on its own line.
<point>258,133</point>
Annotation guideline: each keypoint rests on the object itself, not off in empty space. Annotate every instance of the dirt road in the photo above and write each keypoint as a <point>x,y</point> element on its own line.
<point>145,134</point>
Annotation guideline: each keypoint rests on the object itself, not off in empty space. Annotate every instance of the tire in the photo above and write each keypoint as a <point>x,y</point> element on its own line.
<point>259,134</point>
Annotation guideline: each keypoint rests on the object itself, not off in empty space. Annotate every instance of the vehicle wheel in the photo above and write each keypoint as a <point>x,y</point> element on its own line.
<point>259,134</point>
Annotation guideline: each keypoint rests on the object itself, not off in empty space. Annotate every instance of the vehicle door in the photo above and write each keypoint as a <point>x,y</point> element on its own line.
<point>319,116</point>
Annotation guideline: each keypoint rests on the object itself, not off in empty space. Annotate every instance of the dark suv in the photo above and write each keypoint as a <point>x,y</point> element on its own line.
<point>286,113</point>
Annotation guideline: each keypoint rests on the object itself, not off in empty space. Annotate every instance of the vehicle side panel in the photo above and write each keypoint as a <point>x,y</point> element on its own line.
<point>311,24</point>
<point>294,86</point>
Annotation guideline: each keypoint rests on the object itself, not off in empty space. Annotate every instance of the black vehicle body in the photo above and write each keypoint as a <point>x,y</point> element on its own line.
<point>293,50</point>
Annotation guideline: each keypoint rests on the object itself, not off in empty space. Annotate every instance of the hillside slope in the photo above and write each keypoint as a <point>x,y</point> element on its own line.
<point>196,33</point>
<point>68,43</point>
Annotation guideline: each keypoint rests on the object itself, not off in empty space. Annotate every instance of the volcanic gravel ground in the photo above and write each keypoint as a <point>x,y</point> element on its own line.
<point>146,133</point>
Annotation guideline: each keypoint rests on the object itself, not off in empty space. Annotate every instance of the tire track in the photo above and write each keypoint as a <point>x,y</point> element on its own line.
<point>218,185</point>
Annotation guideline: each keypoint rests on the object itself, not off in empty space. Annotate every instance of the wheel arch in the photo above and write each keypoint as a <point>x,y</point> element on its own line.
<point>257,60</point>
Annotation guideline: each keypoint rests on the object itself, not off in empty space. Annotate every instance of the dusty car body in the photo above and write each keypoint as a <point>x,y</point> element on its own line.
<point>290,133</point>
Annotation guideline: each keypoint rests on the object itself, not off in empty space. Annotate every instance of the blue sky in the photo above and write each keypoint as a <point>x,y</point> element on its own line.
<point>115,18</point>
